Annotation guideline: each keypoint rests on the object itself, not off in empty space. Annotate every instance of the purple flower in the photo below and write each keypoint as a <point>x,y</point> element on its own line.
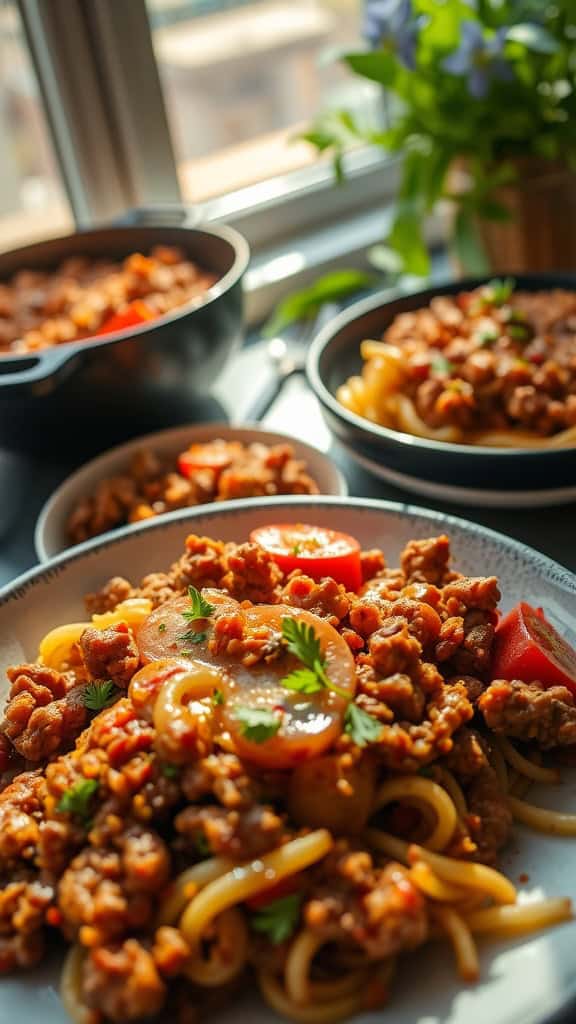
<point>479,57</point>
<point>392,22</point>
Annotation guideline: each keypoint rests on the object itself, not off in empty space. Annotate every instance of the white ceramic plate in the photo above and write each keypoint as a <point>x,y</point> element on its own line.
<point>523,981</point>
<point>50,532</point>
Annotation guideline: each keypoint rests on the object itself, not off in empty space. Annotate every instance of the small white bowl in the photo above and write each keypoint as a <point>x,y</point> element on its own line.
<point>50,533</point>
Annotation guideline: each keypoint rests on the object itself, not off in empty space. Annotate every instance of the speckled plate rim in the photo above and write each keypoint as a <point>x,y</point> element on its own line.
<point>18,586</point>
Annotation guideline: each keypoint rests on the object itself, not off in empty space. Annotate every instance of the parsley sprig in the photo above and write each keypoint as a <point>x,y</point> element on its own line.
<point>99,695</point>
<point>257,724</point>
<point>301,641</point>
<point>360,726</point>
<point>278,920</point>
<point>77,800</point>
<point>199,607</point>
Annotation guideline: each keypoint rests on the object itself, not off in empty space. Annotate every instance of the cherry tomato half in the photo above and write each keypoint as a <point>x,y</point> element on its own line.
<point>528,647</point>
<point>216,455</point>
<point>314,550</point>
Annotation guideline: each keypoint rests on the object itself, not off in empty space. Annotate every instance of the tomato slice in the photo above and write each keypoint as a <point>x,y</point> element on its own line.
<point>309,723</point>
<point>161,635</point>
<point>216,455</point>
<point>528,647</point>
<point>134,314</point>
<point>315,550</point>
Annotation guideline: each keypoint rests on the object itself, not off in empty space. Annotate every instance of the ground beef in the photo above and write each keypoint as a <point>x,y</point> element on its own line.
<point>372,562</point>
<point>252,574</point>
<point>170,950</point>
<point>222,776</point>
<point>474,655</point>
<point>489,819</point>
<point>327,598</point>
<point>45,711</point>
<point>122,982</point>
<point>474,687</point>
<point>21,807</point>
<point>201,565</point>
<point>242,835</point>
<point>105,600</point>
<point>157,588</point>
<point>108,892</point>
<point>426,560</point>
<point>529,712</point>
<point>110,653</point>
<point>23,908</point>
<point>378,910</point>
<point>471,592</point>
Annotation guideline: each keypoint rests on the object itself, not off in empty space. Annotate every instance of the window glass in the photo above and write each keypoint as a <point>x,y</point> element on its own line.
<point>240,77</point>
<point>32,201</point>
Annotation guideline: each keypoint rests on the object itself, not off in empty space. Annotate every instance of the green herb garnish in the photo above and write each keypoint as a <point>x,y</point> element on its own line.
<point>499,291</point>
<point>487,337</point>
<point>99,695</point>
<point>258,724</point>
<point>170,771</point>
<point>442,366</point>
<point>297,548</point>
<point>302,642</point>
<point>193,637</point>
<point>519,332</point>
<point>362,727</point>
<point>76,800</point>
<point>162,627</point>
<point>202,845</point>
<point>199,608</point>
<point>278,920</point>
<point>217,698</point>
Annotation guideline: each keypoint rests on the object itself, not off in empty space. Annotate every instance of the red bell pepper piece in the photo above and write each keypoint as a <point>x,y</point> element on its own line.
<point>134,314</point>
<point>528,647</point>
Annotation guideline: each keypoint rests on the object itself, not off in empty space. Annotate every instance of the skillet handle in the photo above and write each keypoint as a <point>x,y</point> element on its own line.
<point>28,371</point>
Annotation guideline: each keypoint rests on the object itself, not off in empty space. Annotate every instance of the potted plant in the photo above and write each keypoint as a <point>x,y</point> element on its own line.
<point>483,118</point>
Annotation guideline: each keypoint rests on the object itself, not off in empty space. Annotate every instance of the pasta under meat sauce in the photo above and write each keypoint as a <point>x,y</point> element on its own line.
<point>493,366</point>
<point>236,771</point>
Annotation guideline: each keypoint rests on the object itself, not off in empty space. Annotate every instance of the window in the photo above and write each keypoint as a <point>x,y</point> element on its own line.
<point>241,77</point>
<point>32,200</point>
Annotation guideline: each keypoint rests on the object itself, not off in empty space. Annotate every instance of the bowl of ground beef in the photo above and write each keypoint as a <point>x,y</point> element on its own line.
<point>464,391</point>
<point>179,468</point>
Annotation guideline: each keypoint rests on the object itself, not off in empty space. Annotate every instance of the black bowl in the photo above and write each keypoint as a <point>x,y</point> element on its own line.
<point>335,355</point>
<point>123,383</point>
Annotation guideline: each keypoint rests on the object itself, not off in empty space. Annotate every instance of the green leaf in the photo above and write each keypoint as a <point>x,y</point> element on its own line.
<point>161,627</point>
<point>407,239</point>
<point>467,243</point>
<point>303,680</point>
<point>441,366</point>
<point>305,304</point>
<point>378,66</point>
<point>258,724</point>
<point>278,920</point>
<point>217,698</point>
<point>361,726</point>
<point>170,771</point>
<point>192,636</point>
<point>533,37</point>
<point>384,258</point>
<point>499,290</point>
<point>202,845</point>
<point>100,695</point>
<point>76,801</point>
<point>489,209</point>
<point>199,608</point>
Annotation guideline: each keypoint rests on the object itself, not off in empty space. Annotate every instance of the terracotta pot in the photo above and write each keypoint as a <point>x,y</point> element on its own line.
<point>542,233</point>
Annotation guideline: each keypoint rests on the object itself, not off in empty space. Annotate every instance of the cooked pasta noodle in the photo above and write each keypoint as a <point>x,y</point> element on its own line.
<point>454,790</point>
<point>523,765</point>
<point>246,880</point>
<point>541,819</point>
<point>56,646</point>
<point>228,952</point>
<point>468,874</point>
<point>519,919</point>
<point>327,1012</point>
<point>70,980</point>
<point>407,786</point>
<point>298,969</point>
<point>425,878</point>
<point>458,931</point>
<point>188,883</point>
